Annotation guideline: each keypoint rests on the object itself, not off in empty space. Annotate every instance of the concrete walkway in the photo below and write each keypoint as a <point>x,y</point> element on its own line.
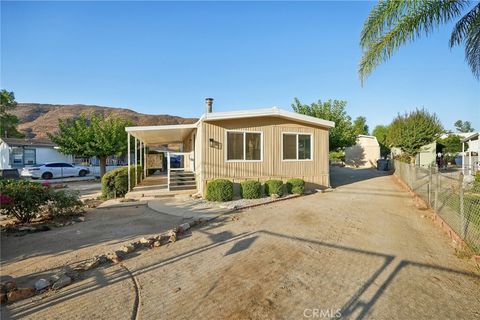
<point>187,208</point>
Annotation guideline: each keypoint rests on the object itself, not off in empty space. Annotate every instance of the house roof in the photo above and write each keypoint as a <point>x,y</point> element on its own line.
<point>177,133</point>
<point>269,112</point>
<point>471,137</point>
<point>16,142</point>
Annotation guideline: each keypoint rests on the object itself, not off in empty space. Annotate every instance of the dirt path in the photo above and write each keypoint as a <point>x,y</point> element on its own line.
<point>363,251</point>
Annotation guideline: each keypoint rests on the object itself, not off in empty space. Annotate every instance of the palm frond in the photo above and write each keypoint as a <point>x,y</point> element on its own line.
<point>411,20</point>
<point>382,16</point>
<point>467,30</point>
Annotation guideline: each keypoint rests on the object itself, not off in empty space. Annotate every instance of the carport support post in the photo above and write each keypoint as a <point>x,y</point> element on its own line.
<point>141,158</point>
<point>136,161</point>
<point>144,160</point>
<point>128,160</point>
<point>168,170</point>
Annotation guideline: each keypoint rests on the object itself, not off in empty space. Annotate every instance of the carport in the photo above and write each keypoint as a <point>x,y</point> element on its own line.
<point>153,136</point>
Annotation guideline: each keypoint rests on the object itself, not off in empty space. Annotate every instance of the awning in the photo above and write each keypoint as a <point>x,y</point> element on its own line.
<point>153,135</point>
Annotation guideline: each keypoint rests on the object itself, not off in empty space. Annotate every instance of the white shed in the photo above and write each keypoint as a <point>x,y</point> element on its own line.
<point>364,154</point>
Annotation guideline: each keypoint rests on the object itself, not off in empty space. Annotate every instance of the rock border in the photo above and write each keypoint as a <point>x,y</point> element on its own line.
<point>9,293</point>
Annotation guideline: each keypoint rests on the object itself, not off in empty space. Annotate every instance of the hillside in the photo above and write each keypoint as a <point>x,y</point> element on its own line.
<point>38,119</point>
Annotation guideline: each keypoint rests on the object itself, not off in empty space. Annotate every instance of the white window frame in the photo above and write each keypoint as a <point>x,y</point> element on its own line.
<point>296,146</point>
<point>244,145</point>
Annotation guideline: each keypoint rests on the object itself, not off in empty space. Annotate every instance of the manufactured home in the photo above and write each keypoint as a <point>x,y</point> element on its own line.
<point>258,144</point>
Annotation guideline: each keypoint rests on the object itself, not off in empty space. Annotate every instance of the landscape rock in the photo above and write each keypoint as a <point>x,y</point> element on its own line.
<point>9,286</point>
<point>114,257</point>
<point>102,259</point>
<point>79,219</point>
<point>197,195</point>
<point>157,243</point>
<point>63,281</point>
<point>172,236</point>
<point>19,294</point>
<point>183,227</point>
<point>93,263</point>
<point>146,242</point>
<point>41,284</point>
<point>128,248</point>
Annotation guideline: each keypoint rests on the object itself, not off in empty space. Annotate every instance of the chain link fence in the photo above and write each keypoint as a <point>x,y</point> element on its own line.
<point>455,199</point>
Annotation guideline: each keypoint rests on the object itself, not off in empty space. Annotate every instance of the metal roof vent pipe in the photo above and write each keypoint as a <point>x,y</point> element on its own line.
<point>208,105</point>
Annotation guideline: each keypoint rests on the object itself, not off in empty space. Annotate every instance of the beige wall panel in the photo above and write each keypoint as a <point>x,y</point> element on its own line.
<point>214,164</point>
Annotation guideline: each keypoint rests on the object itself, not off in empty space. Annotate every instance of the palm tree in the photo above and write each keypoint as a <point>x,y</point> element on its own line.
<point>392,23</point>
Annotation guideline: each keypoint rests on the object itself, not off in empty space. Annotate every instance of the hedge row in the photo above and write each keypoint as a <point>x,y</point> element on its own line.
<point>222,189</point>
<point>115,182</point>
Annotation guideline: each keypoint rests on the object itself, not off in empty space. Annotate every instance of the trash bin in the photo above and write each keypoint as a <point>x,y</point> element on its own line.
<point>382,165</point>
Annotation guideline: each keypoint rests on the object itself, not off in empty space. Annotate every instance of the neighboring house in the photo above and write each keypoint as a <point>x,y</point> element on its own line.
<point>364,154</point>
<point>427,155</point>
<point>18,153</point>
<point>258,144</point>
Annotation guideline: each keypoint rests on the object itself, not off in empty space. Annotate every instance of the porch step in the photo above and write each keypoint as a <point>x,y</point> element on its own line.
<point>182,180</point>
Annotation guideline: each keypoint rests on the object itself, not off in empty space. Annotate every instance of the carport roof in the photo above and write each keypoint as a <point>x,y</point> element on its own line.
<point>152,135</point>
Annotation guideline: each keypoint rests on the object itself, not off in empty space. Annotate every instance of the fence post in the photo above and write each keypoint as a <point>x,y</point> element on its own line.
<point>436,190</point>
<point>429,186</point>
<point>462,213</point>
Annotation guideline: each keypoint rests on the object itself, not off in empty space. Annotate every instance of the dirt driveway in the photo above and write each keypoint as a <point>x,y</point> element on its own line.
<point>363,251</point>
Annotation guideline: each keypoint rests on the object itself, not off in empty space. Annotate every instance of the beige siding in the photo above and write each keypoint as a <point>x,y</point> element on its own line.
<point>214,164</point>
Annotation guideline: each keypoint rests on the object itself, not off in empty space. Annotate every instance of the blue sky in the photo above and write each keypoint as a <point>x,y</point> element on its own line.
<point>165,58</point>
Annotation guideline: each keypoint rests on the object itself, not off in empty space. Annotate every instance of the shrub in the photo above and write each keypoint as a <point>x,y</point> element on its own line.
<point>296,186</point>
<point>274,187</point>
<point>115,182</point>
<point>219,190</point>
<point>26,200</point>
<point>64,203</point>
<point>22,199</point>
<point>250,189</point>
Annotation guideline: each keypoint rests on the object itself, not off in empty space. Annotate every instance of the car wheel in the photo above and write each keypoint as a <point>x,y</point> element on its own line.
<point>47,175</point>
<point>82,173</point>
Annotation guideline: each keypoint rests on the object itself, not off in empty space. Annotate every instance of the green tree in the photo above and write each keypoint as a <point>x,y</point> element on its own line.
<point>360,126</point>
<point>392,23</point>
<point>452,144</point>
<point>8,122</point>
<point>381,132</point>
<point>413,130</point>
<point>342,135</point>
<point>92,137</point>
<point>463,127</point>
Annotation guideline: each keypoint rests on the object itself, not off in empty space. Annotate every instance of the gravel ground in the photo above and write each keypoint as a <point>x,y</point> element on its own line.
<point>364,251</point>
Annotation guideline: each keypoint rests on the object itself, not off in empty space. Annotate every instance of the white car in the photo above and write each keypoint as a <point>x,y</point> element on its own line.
<point>54,170</point>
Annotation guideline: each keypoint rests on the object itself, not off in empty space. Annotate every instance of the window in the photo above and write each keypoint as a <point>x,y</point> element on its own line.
<point>30,156</point>
<point>244,146</point>
<point>297,146</point>
<point>17,155</point>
